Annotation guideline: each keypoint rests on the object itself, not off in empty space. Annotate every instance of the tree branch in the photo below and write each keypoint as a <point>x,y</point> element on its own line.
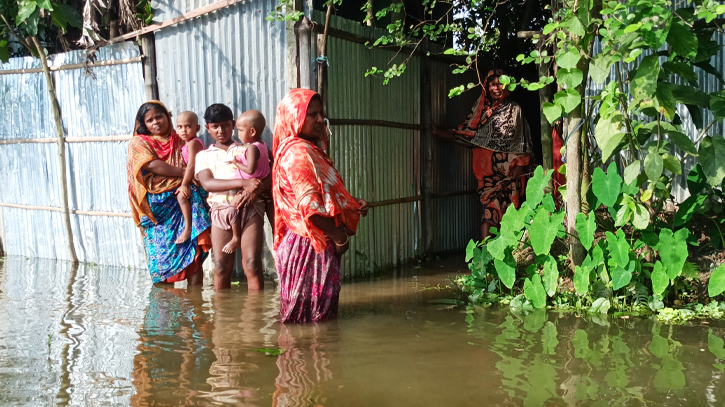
<point>23,42</point>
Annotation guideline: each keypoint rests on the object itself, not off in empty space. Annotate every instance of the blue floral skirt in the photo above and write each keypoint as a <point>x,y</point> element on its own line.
<point>164,257</point>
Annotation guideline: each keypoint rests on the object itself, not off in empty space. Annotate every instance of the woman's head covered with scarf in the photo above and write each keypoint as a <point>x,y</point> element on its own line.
<point>484,107</point>
<point>140,126</point>
<point>304,179</point>
<point>145,147</point>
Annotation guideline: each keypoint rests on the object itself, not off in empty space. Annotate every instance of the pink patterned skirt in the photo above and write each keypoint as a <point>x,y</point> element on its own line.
<point>309,282</point>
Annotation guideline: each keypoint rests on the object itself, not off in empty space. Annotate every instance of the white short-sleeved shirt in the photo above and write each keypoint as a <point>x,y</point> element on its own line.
<point>219,162</point>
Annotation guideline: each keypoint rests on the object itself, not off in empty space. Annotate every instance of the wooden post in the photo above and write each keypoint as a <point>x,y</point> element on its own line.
<point>303,37</point>
<point>2,233</point>
<point>148,44</point>
<point>61,150</point>
<point>293,63</point>
<point>426,157</point>
<point>322,62</point>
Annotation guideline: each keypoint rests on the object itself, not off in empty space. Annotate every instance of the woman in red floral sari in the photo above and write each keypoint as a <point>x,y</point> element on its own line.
<point>502,153</point>
<point>314,214</point>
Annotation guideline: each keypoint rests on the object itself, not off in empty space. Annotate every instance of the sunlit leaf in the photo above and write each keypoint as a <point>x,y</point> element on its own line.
<point>660,279</point>
<point>543,232</point>
<point>535,186</point>
<point>552,111</point>
<point>712,159</point>
<point>551,276</point>
<point>608,134</point>
<point>621,276</point>
<point>607,186</point>
<point>618,247</point>
<point>716,285</point>
<point>585,227</point>
<point>581,280</point>
<point>506,269</point>
<point>534,291</point>
<point>653,165</point>
<point>673,250</point>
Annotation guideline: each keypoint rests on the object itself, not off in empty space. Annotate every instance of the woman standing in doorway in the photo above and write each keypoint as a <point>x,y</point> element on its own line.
<point>314,214</point>
<point>500,136</point>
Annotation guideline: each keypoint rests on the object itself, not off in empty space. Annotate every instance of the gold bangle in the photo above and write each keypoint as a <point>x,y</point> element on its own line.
<point>347,239</point>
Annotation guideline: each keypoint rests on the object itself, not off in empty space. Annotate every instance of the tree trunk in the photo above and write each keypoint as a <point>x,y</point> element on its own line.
<point>61,150</point>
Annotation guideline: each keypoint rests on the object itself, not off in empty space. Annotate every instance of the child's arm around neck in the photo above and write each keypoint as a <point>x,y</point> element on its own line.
<point>252,155</point>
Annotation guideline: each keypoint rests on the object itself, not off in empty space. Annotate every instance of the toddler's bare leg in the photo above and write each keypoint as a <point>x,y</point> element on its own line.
<point>186,211</point>
<point>233,244</point>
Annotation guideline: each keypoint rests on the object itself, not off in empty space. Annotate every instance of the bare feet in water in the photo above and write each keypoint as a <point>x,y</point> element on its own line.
<point>184,236</point>
<point>232,246</point>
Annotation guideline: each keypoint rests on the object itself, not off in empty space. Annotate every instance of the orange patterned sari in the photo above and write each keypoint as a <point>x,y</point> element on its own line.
<point>304,179</point>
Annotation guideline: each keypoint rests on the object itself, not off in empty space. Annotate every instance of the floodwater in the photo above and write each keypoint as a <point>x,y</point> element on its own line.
<point>106,336</point>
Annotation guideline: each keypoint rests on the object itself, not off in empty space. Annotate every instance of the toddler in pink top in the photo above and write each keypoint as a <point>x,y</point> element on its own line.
<point>187,126</point>
<point>256,161</point>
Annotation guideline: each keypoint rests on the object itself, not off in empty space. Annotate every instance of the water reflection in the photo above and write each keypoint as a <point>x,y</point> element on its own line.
<point>104,336</point>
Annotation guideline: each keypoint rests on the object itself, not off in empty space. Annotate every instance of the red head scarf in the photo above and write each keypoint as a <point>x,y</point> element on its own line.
<point>483,108</point>
<point>304,179</point>
<point>143,149</point>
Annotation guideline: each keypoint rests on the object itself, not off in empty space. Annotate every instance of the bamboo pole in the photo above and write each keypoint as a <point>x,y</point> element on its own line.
<point>426,157</point>
<point>73,211</point>
<point>61,150</point>
<point>112,62</point>
<point>149,67</point>
<point>96,139</point>
<point>376,123</point>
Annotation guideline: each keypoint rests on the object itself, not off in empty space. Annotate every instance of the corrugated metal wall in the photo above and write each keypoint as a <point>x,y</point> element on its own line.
<point>383,163</point>
<point>231,56</point>
<point>102,104</point>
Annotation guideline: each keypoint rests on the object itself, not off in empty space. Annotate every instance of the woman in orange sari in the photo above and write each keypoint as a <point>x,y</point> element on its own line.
<point>155,169</point>
<point>314,214</point>
<point>500,136</point>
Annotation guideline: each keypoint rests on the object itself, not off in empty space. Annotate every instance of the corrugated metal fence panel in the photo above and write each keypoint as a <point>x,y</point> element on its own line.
<point>377,163</point>
<point>102,104</point>
<point>231,56</point>
<point>456,219</point>
<point>24,103</point>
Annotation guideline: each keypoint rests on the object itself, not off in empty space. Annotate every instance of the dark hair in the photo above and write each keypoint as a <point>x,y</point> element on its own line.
<point>218,113</point>
<point>145,108</point>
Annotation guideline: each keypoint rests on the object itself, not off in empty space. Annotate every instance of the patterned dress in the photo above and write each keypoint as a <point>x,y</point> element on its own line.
<point>502,136</point>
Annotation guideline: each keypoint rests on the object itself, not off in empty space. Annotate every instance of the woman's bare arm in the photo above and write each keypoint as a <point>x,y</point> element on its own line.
<point>159,167</point>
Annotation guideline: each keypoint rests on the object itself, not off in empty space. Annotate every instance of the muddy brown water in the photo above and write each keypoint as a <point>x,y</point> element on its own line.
<point>106,336</point>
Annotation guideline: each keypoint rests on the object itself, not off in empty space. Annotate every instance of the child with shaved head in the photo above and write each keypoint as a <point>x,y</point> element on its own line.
<point>255,163</point>
<point>187,126</point>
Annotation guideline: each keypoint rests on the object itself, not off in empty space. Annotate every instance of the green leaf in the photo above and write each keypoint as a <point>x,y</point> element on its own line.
<point>660,280</point>
<point>683,142</point>
<point>506,269</point>
<point>570,77</point>
<point>618,247</point>
<point>621,277</point>
<point>632,171</point>
<point>673,250</point>
<point>688,208</point>
<point>672,164</point>
<point>717,106</point>
<point>270,351</point>
<point>552,111</point>
<point>640,219</point>
<point>25,11</point>
<point>600,306</point>
<point>600,67</point>
<point>653,165</point>
<point>470,250</point>
<point>513,221</point>
<point>535,186</point>
<point>31,23</point>
<point>497,246</point>
<point>716,345</point>
<point>607,186</point>
<point>687,95</point>
<point>568,99</point>
<point>665,101</point>
<point>682,69</point>
<point>696,180</point>
<point>644,83</point>
<point>716,285</point>
<point>581,280</point>
<point>712,159</point>
<point>548,203</point>
<point>534,291</point>
<point>568,59</point>
<point>585,227</point>
<point>608,134</point>
<point>543,232</point>
<point>64,15</point>
<point>551,276</point>
<point>4,50</point>
<point>682,40</point>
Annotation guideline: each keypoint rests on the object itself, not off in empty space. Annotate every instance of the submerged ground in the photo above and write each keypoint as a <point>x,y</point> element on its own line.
<point>106,336</point>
